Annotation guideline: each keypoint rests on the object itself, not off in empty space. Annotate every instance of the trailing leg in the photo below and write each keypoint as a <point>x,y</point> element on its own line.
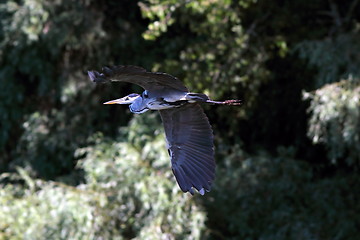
<point>226,102</point>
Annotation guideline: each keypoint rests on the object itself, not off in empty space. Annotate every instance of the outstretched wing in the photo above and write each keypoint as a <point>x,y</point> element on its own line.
<point>190,144</point>
<point>137,75</point>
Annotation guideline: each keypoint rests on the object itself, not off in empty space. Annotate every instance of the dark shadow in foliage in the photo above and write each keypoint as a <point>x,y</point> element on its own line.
<point>278,198</point>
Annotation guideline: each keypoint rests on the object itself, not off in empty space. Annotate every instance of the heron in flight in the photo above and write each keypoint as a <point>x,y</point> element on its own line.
<point>188,133</point>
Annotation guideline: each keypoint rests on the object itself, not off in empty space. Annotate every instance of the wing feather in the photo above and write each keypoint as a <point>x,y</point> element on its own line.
<point>190,144</point>
<point>151,81</point>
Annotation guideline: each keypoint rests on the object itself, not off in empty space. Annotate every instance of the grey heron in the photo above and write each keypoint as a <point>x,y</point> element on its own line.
<point>188,133</point>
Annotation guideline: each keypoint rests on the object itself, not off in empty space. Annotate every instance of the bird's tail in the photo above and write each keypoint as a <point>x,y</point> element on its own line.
<point>197,97</point>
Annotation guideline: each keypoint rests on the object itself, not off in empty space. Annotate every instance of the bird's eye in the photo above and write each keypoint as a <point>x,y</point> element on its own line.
<point>145,94</point>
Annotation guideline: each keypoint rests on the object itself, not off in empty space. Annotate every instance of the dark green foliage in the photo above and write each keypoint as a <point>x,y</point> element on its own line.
<point>333,57</point>
<point>280,198</point>
<point>288,159</point>
<point>129,193</point>
<point>45,49</point>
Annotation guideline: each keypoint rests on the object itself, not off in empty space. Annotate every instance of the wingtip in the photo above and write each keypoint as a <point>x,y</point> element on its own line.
<point>191,191</point>
<point>202,191</point>
<point>107,71</point>
<point>97,77</point>
<point>91,75</point>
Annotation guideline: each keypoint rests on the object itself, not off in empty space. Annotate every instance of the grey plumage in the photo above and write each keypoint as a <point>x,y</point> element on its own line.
<point>139,76</point>
<point>188,132</point>
<point>190,145</point>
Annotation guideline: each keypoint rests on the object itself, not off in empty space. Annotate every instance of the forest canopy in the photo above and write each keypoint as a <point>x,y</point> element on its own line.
<point>288,160</point>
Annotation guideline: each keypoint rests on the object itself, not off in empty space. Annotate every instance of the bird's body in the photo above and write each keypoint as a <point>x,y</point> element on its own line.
<point>149,100</point>
<point>187,129</point>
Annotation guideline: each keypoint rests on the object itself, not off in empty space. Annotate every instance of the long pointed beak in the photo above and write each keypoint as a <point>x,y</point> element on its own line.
<point>123,100</point>
<point>116,101</point>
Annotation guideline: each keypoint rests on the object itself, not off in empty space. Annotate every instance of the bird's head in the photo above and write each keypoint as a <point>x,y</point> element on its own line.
<point>129,99</point>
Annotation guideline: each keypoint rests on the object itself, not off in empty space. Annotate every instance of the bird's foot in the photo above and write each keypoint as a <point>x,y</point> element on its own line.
<point>233,102</point>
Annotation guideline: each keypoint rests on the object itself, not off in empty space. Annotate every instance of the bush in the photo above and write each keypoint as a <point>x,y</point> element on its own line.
<point>264,197</point>
<point>335,120</point>
<point>129,193</point>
